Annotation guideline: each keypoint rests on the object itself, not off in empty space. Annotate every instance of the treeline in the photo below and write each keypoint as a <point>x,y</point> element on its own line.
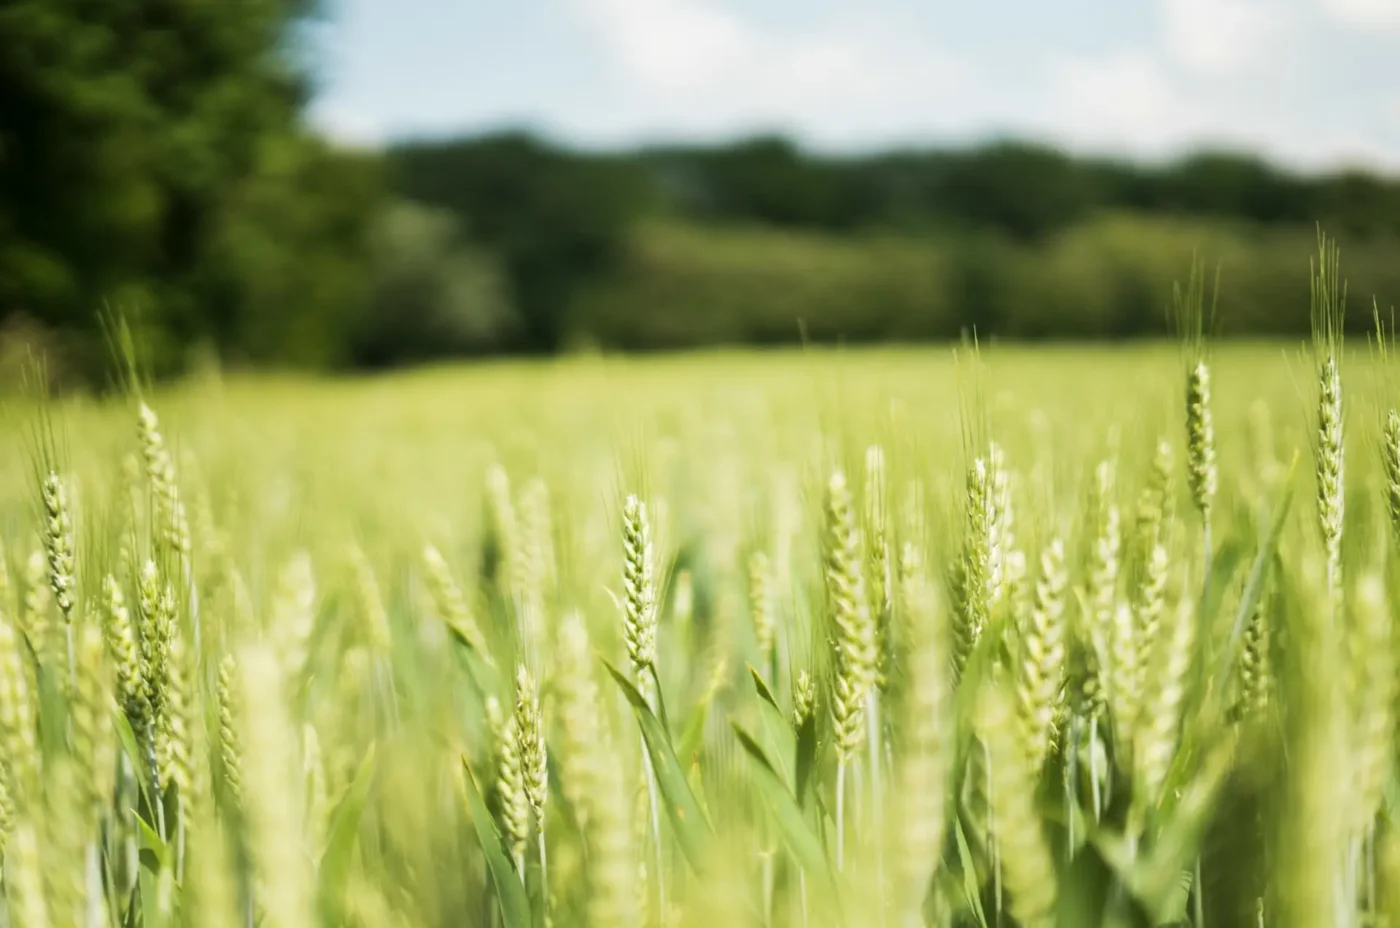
<point>1022,190</point>
<point>154,161</point>
<point>760,242</point>
<point>1106,277</point>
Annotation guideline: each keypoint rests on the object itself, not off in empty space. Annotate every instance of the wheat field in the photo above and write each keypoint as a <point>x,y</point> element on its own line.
<point>1009,636</point>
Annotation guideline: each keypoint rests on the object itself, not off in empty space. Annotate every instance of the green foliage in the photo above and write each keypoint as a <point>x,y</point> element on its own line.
<point>692,830</point>
<point>151,158</point>
<point>1109,276</point>
<point>343,834</point>
<point>510,894</point>
<point>290,261</point>
<point>800,838</point>
<point>759,242</point>
<point>685,285</point>
<point>553,219</point>
<point>433,294</point>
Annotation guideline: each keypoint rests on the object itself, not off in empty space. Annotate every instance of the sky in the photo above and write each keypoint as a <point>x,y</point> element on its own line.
<point>1308,83</point>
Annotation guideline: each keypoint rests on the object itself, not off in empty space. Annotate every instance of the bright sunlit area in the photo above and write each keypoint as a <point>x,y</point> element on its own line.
<point>692,463</point>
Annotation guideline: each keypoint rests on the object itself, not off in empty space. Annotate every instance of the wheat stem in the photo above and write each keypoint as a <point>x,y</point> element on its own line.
<point>841,814</point>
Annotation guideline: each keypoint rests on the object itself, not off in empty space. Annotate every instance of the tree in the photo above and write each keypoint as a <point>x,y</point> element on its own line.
<point>134,135</point>
<point>1235,185</point>
<point>766,179</point>
<point>557,220</point>
<point>433,295</point>
<point>1026,191</point>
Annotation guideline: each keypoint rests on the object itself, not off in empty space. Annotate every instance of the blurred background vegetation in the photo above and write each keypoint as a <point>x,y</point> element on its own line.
<point>154,160</point>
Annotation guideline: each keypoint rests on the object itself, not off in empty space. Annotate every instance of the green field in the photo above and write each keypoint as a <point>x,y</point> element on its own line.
<point>237,688</point>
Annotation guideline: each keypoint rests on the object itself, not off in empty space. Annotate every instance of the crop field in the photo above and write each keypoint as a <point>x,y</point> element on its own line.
<point>1006,637</point>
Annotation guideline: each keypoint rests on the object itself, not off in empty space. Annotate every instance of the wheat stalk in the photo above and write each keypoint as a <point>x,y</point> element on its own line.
<point>451,605</point>
<point>534,771</point>
<point>762,610</point>
<point>1328,310</point>
<point>977,573</point>
<point>1042,660</point>
<point>639,633</point>
<point>853,639</point>
<point>274,819</point>
<point>230,746</point>
<point>1163,703</point>
<point>925,764</point>
<point>1024,855</point>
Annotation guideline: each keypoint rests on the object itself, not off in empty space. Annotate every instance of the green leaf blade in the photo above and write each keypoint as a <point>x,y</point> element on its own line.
<point>510,893</point>
<point>687,817</point>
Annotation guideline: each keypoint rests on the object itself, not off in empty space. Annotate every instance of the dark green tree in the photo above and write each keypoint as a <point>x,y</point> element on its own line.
<point>137,139</point>
<point>434,294</point>
<point>556,220</point>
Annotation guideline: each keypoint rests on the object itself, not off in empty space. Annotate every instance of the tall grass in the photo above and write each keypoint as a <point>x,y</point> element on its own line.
<point>387,653</point>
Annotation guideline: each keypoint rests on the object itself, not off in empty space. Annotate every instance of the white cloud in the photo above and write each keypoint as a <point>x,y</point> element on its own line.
<point>1363,14</point>
<point>1215,73</point>
<point>1339,149</point>
<point>1131,102</point>
<point>1215,38</point>
<point>701,66</point>
<point>347,126</point>
<point>1123,101</point>
<point>672,45</point>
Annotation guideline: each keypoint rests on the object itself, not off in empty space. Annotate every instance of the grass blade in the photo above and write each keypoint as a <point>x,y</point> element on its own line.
<point>807,757</point>
<point>344,831</point>
<point>479,668</point>
<point>510,894</point>
<point>777,725</point>
<point>764,693</point>
<point>801,840</point>
<point>694,733</point>
<point>684,810</point>
<point>971,886</point>
<point>155,851</point>
<point>1254,586</point>
<point>134,751</point>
